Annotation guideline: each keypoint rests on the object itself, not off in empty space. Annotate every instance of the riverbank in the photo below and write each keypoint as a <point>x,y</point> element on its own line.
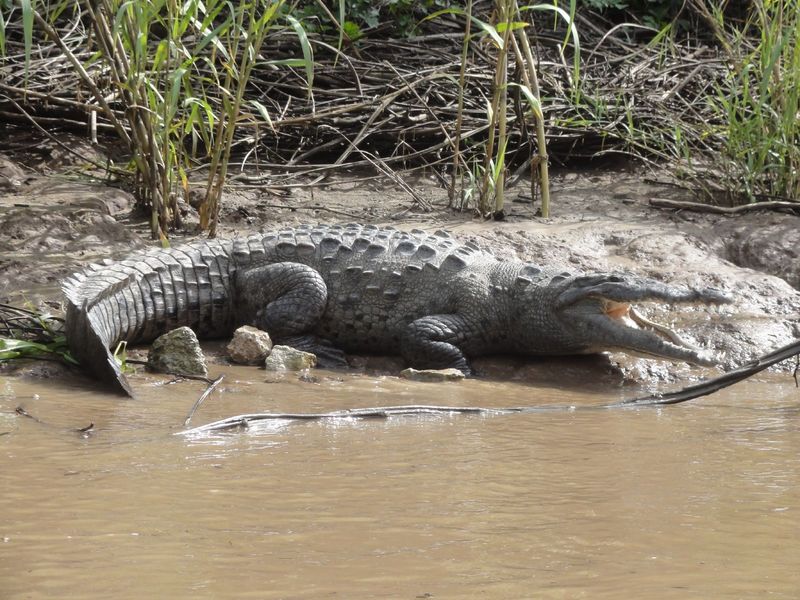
<point>55,223</point>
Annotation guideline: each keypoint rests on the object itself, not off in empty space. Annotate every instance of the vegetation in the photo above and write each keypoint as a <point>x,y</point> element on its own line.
<point>297,88</point>
<point>758,102</point>
<point>31,333</point>
<point>177,71</point>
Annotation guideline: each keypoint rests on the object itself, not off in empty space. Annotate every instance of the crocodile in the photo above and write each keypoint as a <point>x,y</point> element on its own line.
<point>332,289</point>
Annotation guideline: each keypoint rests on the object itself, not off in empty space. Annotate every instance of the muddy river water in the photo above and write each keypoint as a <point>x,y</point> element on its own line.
<point>700,500</point>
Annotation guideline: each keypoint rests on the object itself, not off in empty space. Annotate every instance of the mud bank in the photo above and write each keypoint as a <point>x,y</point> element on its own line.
<point>52,225</point>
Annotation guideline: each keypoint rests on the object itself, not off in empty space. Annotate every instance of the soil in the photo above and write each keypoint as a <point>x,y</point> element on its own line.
<point>55,219</point>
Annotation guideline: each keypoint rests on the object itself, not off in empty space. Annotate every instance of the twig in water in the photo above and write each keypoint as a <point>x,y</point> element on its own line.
<point>380,412</point>
<point>24,413</point>
<point>201,399</point>
<point>20,410</point>
<point>384,412</point>
<point>179,376</point>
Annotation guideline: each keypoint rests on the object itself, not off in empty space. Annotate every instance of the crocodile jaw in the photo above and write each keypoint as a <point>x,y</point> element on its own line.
<point>615,323</point>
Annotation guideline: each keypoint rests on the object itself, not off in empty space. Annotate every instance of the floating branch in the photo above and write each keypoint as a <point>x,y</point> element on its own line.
<point>209,388</point>
<point>691,392</point>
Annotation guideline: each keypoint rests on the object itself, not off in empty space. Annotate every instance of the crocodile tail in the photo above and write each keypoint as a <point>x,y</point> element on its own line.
<point>88,339</point>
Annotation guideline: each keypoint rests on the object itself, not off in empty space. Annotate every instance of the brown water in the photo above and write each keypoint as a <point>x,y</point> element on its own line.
<point>700,500</point>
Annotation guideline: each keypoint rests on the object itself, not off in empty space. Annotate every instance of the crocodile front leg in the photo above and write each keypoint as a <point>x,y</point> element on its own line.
<point>287,301</point>
<point>435,341</point>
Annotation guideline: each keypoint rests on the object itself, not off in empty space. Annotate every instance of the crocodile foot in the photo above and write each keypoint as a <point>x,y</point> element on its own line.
<point>328,355</point>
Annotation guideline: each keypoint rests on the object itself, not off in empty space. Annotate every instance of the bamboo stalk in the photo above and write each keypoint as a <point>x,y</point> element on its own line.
<point>496,108</point>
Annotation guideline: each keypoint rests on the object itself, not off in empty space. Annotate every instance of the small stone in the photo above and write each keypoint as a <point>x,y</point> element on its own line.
<point>177,352</point>
<point>11,175</point>
<point>285,358</point>
<point>307,377</point>
<point>249,346</point>
<point>432,375</point>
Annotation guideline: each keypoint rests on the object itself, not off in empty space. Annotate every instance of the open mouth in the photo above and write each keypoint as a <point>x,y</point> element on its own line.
<point>601,307</point>
<point>639,335</point>
<point>628,316</point>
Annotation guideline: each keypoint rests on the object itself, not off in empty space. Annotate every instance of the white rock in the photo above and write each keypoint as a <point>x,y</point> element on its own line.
<point>249,346</point>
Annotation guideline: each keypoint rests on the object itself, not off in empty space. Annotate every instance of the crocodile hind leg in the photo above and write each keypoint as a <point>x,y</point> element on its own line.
<point>434,342</point>
<point>287,300</point>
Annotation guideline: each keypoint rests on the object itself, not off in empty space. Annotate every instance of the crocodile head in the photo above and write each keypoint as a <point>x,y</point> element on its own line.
<point>596,313</point>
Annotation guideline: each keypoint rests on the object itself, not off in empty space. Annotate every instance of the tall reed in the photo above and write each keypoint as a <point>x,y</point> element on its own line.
<point>758,103</point>
<point>483,180</point>
<point>177,73</point>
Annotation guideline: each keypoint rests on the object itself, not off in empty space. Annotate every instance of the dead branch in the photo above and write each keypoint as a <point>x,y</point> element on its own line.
<point>206,393</point>
<point>691,392</point>
<point>776,205</point>
<point>715,384</point>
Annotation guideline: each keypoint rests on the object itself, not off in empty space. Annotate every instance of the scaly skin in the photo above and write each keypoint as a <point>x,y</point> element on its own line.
<point>363,289</point>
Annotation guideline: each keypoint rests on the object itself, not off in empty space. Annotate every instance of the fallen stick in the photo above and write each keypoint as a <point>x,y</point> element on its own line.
<point>715,384</point>
<point>22,412</point>
<point>698,390</point>
<point>783,205</point>
<point>202,398</point>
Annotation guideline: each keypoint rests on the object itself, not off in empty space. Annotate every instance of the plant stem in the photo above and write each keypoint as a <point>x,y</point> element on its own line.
<point>532,81</point>
<point>460,110</point>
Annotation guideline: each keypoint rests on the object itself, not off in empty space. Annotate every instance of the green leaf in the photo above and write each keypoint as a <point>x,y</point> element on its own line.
<point>352,30</point>
<point>2,32</point>
<point>573,31</point>
<point>444,11</point>
<point>27,29</point>
<point>287,62</point>
<point>262,110</point>
<point>11,348</point>
<point>174,92</point>
<point>501,160</point>
<point>121,356</point>
<point>490,30</point>
<point>161,55</point>
<point>21,345</point>
<point>212,37</point>
<point>515,25</point>
<point>308,53</point>
<point>486,27</point>
<point>533,101</point>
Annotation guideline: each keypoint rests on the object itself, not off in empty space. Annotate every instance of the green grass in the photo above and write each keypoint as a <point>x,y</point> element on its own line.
<point>759,103</point>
